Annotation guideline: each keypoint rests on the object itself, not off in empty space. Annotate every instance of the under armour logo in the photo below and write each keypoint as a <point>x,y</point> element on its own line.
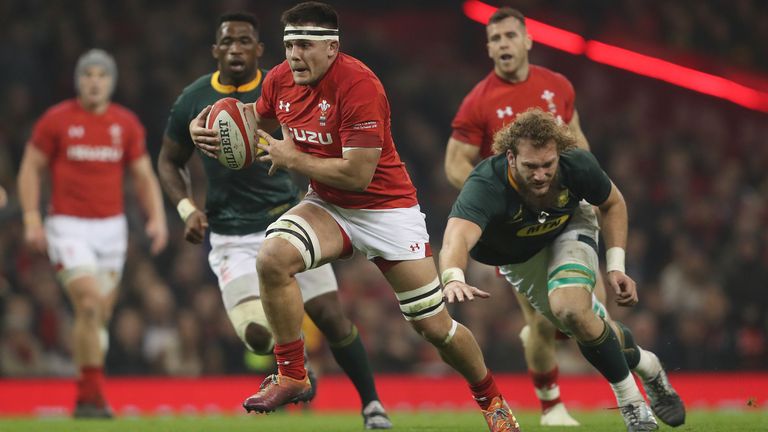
<point>415,247</point>
<point>76,131</point>
<point>286,105</point>
<point>506,111</point>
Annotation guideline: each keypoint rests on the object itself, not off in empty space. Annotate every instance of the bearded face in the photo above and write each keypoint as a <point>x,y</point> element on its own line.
<point>534,169</point>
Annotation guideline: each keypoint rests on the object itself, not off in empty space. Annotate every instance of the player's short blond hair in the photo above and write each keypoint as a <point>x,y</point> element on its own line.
<point>539,127</point>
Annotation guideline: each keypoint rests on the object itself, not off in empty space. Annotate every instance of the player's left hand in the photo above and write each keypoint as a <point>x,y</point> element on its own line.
<point>624,287</point>
<point>280,152</point>
<point>459,291</point>
<point>158,233</point>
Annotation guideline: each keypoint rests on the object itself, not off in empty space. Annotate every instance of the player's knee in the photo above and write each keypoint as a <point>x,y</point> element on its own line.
<point>251,326</point>
<point>273,265</point>
<point>572,316</point>
<point>88,307</point>
<point>299,235</point>
<point>258,338</point>
<point>436,331</point>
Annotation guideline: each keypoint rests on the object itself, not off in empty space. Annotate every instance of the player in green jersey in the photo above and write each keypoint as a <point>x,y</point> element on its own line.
<point>241,204</point>
<point>528,210</point>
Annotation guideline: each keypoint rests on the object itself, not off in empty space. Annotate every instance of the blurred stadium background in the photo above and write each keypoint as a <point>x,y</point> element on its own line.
<point>693,168</point>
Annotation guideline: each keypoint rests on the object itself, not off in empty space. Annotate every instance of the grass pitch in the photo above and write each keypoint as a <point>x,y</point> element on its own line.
<point>592,421</point>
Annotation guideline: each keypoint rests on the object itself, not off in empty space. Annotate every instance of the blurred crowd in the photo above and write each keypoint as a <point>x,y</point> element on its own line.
<point>692,169</point>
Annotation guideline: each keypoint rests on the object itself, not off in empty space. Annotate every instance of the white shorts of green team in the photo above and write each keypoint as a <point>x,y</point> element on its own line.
<point>233,260</point>
<point>570,260</point>
<point>396,234</point>
<point>87,246</point>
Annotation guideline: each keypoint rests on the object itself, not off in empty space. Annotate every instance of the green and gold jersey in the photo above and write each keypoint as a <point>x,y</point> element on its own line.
<point>512,232</point>
<point>242,201</point>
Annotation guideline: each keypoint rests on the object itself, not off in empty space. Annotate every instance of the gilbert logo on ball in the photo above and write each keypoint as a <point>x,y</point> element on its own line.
<point>237,132</point>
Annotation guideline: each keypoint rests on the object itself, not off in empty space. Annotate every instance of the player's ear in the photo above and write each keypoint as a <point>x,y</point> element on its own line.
<point>333,48</point>
<point>259,49</point>
<point>528,41</point>
<point>213,51</point>
<point>510,157</point>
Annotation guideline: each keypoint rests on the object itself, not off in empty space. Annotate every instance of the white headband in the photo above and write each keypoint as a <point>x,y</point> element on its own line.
<point>310,33</point>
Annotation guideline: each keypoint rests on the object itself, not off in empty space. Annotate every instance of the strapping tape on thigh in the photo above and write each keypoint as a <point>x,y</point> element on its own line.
<point>421,302</point>
<point>300,234</point>
<point>571,275</point>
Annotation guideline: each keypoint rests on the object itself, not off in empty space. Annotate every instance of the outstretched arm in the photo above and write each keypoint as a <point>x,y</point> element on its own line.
<point>460,237</point>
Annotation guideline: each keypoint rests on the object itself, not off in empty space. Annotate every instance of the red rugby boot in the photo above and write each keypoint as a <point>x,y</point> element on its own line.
<point>278,390</point>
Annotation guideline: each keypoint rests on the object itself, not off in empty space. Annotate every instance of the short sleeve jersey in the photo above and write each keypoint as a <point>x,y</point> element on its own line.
<point>495,102</point>
<point>239,202</point>
<point>346,109</point>
<point>512,232</point>
<point>87,154</point>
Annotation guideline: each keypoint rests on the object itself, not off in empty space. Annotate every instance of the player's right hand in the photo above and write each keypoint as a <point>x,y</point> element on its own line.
<point>458,291</point>
<point>194,231</point>
<point>34,238</point>
<point>624,287</point>
<point>207,140</point>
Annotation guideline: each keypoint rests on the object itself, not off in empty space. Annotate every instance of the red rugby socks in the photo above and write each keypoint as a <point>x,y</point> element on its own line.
<point>290,359</point>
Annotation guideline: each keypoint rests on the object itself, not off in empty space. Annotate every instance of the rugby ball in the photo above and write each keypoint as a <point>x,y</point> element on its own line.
<point>236,126</point>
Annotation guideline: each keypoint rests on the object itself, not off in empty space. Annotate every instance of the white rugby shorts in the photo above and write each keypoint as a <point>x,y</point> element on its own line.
<point>98,243</point>
<point>398,234</point>
<point>233,257</point>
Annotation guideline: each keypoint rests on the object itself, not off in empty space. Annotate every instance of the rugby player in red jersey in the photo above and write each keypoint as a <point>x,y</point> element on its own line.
<point>241,204</point>
<point>85,144</point>
<point>335,118</point>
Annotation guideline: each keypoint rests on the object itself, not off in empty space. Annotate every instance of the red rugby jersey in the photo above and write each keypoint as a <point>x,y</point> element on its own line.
<point>325,118</point>
<point>87,154</point>
<point>495,102</point>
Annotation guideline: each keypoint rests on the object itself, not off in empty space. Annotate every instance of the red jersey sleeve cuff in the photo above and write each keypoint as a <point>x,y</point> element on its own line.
<point>360,140</point>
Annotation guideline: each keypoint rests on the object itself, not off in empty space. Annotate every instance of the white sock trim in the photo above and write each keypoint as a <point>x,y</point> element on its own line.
<point>649,365</point>
<point>547,394</point>
<point>626,391</point>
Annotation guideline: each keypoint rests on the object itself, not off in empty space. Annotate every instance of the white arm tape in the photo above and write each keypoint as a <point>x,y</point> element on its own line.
<point>452,274</point>
<point>614,259</point>
<point>185,208</point>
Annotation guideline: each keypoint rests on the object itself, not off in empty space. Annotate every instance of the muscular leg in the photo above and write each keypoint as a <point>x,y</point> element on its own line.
<point>415,283</point>
<point>539,342</point>
<point>572,306</point>
<point>460,351</point>
<point>90,308</point>
<point>277,264</point>
<point>345,343</point>
<point>85,294</point>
